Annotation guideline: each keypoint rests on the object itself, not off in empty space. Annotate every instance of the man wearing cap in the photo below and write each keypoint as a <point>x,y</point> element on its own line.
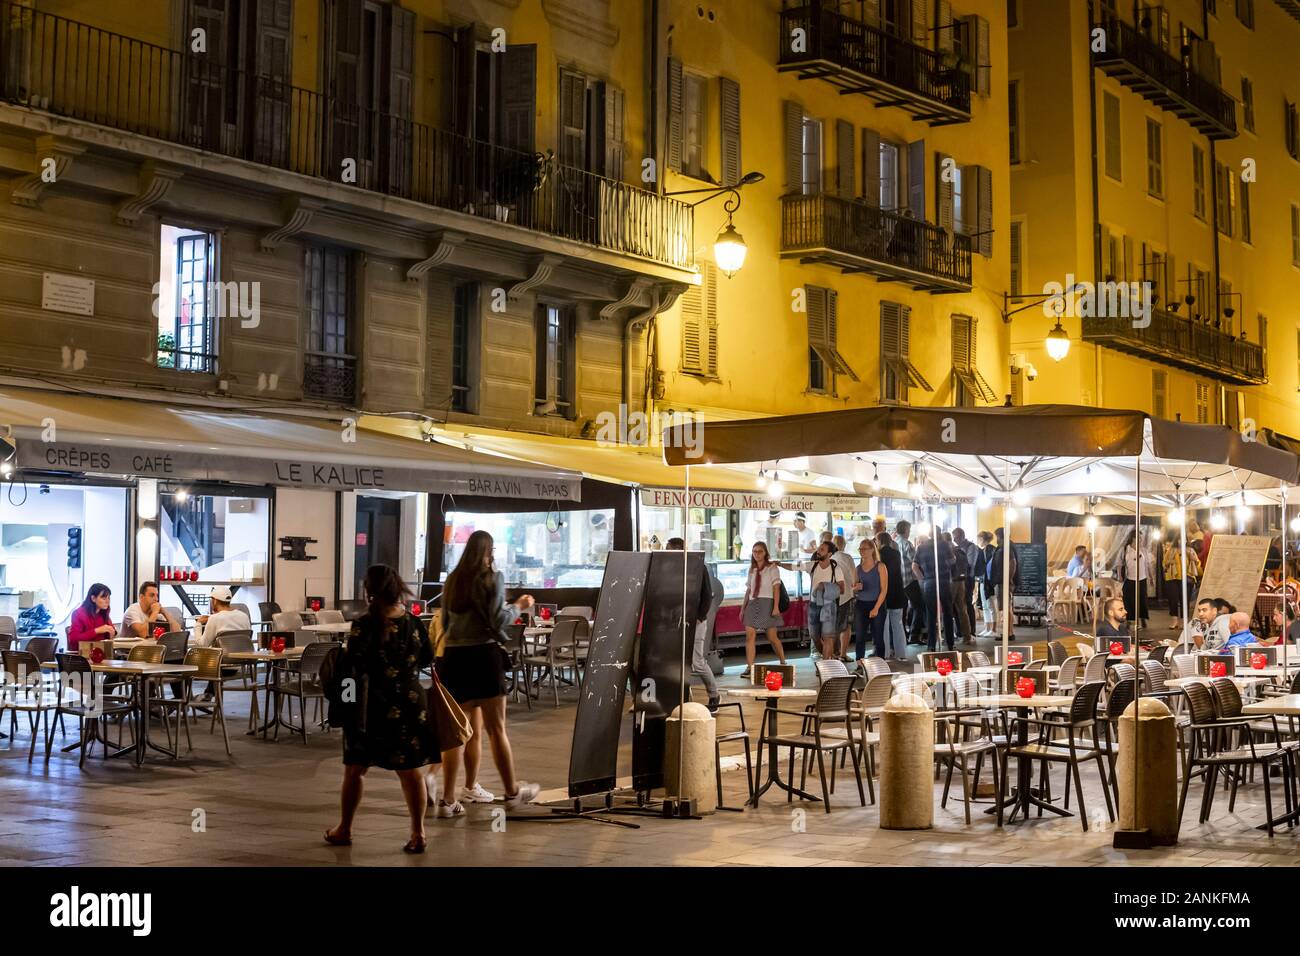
<point>221,618</point>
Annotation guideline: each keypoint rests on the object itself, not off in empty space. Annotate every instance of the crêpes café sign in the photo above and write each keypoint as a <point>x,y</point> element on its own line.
<point>752,501</point>
<point>287,473</point>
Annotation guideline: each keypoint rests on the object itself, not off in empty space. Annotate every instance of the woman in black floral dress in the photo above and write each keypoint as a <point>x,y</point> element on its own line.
<point>386,650</point>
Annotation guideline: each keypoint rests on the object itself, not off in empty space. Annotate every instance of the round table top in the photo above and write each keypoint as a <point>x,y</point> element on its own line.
<point>762,693</point>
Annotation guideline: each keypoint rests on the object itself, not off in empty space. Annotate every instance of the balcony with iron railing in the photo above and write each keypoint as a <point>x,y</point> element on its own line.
<point>857,237</point>
<point>1186,343</point>
<point>819,42</point>
<point>1141,63</point>
<point>71,69</point>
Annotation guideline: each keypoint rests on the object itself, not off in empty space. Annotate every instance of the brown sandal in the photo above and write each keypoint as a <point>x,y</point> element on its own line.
<point>333,840</point>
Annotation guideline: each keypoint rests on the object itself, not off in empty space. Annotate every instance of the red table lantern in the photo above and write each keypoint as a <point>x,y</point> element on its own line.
<point>96,655</point>
<point>1116,648</point>
<point>544,614</point>
<point>773,680</point>
<point>944,666</point>
<point>1258,661</point>
<point>1025,687</point>
<point>158,632</point>
<point>1015,657</point>
<point>277,645</point>
<point>417,608</point>
<point>194,575</point>
<point>315,604</point>
<point>1218,669</point>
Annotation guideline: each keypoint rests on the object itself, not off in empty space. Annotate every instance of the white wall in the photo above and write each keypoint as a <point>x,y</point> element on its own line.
<point>308,514</point>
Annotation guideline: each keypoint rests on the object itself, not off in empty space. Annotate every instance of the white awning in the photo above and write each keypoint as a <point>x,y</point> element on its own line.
<point>66,432</point>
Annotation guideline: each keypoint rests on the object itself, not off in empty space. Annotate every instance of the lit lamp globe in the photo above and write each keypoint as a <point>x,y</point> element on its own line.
<point>729,251</point>
<point>1295,524</point>
<point>1091,522</point>
<point>1057,342</point>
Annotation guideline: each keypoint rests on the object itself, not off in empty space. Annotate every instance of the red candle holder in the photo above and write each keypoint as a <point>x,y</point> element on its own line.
<point>943,666</point>
<point>1116,648</point>
<point>1025,687</point>
<point>277,645</point>
<point>544,614</point>
<point>773,680</point>
<point>1258,661</point>
<point>96,655</point>
<point>1218,669</point>
<point>194,575</point>
<point>158,632</point>
<point>315,605</point>
<point>417,608</point>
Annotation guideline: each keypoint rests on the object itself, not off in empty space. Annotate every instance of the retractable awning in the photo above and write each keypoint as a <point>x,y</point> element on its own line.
<point>67,432</point>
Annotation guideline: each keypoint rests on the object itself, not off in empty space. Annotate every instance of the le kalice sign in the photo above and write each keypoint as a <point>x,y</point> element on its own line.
<point>288,473</point>
<point>752,501</point>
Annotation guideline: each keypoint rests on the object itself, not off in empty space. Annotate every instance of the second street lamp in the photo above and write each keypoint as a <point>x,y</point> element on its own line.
<point>729,249</point>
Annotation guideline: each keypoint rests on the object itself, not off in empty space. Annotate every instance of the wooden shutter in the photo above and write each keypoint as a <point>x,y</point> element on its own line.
<point>961,354</point>
<point>871,13</point>
<point>943,36</point>
<point>943,192</point>
<point>844,158</point>
<point>345,89</point>
<point>982,54</point>
<point>793,147</point>
<point>693,326</point>
<point>1159,393</point>
<point>272,78</point>
<point>518,98</point>
<point>442,331</point>
<point>573,119</point>
<point>465,84</point>
<point>1172,293</point>
<point>921,23</point>
<point>905,332</point>
<point>1016,236</point>
<point>890,344</point>
<point>710,278</point>
<point>676,114</point>
<point>614,130</point>
<point>916,178</point>
<point>205,95</point>
<point>1126,244</point>
<point>833,322</point>
<point>817,325</point>
<point>729,97</point>
<point>984,207</point>
<point>871,166</point>
<point>400,98</point>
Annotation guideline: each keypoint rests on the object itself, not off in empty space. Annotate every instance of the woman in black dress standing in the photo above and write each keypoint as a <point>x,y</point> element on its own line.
<point>386,650</point>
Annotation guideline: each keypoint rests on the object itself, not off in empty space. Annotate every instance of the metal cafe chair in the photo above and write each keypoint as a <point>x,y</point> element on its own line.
<point>81,696</point>
<point>831,710</point>
<point>559,653</point>
<point>515,650</point>
<point>208,662</point>
<point>303,685</point>
<point>27,690</point>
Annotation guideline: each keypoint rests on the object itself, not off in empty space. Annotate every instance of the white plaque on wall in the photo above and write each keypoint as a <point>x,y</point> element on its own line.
<point>65,293</point>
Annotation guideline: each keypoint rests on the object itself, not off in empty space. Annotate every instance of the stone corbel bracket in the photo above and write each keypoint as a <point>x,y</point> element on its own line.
<point>27,190</point>
<point>543,266</point>
<point>635,288</point>
<point>298,213</point>
<point>441,250</point>
<point>156,181</point>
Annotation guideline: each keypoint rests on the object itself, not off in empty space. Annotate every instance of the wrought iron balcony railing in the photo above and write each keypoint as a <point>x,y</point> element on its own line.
<point>64,67</point>
<point>1182,342</point>
<point>1143,65</point>
<point>819,42</point>
<point>330,377</point>
<point>860,238</point>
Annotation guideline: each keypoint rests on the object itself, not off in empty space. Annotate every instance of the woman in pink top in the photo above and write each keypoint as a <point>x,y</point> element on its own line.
<point>91,621</point>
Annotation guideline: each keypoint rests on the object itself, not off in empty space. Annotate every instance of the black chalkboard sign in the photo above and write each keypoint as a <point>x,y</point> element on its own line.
<point>663,657</point>
<point>593,760</point>
<point>1031,570</point>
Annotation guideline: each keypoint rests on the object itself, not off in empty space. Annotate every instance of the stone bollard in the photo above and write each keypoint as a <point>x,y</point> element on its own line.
<point>906,764</point>
<point>697,749</point>
<point>1156,804</point>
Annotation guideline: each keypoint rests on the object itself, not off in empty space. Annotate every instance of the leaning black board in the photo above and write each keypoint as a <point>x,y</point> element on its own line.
<point>660,674</point>
<point>593,762</point>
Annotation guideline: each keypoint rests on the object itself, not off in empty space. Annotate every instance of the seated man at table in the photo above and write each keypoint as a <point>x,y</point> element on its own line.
<point>1115,623</point>
<point>221,618</point>
<point>146,615</point>
<point>1239,623</point>
<point>1213,616</point>
<point>1079,565</point>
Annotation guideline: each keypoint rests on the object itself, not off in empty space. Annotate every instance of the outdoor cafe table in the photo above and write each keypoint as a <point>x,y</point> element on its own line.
<point>1288,705</point>
<point>276,662</point>
<point>1023,797</point>
<point>772,697</point>
<point>1242,680</point>
<point>337,627</point>
<point>139,673</point>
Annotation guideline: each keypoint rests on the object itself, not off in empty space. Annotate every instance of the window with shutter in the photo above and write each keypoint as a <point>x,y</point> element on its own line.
<point>970,386</point>
<point>729,97</point>
<point>1155,158</point>
<point>916,178</point>
<point>1198,181</point>
<point>811,160</point>
<point>442,303</point>
<point>1295,235</point>
<point>793,146</point>
<point>398,102</point>
<point>556,340</point>
<point>984,207</point>
<point>463,334</point>
<point>700,324</point>
<point>1246,235</point>
<point>823,339</point>
<point>695,156</point>
<point>945,192</point>
<point>1013,119</point>
<point>573,119</point>
<point>273,70</point>
<point>897,373</point>
<point>1247,105</point>
<point>1292,129</point>
<point>1016,234</point>
<point>518,112</point>
<point>1159,393</point>
<point>676,115</point>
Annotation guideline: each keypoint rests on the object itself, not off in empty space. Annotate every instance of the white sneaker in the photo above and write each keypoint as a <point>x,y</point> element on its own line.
<point>449,809</point>
<point>476,794</point>
<point>527,794</point>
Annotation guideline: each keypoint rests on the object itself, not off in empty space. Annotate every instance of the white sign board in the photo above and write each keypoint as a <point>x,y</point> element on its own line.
<point>1234,568</point>
<point>753,501</point>
<point>65,293</point>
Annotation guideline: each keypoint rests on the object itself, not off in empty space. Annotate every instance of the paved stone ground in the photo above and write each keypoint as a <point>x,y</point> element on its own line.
<point>269,803</point>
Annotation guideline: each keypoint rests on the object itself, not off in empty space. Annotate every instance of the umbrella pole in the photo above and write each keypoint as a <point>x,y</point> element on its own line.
<point>1006,572</point>
<point>1286,631</point>
<point>1135,839</point>
<point>1182,563</point>
<point>938,603</point>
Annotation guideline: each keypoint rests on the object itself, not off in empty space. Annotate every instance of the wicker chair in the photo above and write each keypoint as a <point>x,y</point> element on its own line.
<point>44,648</point>
<point>831,709</point>
<point>240,675</point>
<point>81,696</point>
<point>874,666</point>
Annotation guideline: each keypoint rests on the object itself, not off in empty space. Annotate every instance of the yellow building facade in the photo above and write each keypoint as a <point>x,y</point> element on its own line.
<point>1158,145</point>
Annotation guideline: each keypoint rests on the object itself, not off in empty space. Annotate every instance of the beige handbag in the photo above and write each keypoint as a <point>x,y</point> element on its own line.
<point>450,722</point>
